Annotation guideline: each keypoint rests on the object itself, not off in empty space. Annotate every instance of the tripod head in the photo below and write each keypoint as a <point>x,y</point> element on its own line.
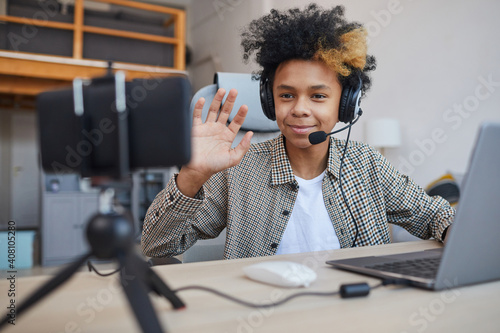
<point>109,232</point>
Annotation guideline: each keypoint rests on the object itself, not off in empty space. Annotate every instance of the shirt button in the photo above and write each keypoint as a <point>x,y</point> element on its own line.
<point>285,212</point>
<point>171,197</point>
<point>157,213</point>
<point>274,245</point>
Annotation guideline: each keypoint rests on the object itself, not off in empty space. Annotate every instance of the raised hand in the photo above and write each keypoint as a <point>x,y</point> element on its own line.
<point>211,142</point>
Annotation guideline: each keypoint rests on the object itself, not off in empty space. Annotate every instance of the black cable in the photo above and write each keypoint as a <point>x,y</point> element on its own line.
<point>264,305</point>
<point>342,190</point>
<point>350,124</point>
<point>345,291</point>
<point>92,268</point>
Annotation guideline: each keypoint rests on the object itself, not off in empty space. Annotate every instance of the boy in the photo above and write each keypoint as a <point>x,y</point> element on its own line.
<point>288,195</point>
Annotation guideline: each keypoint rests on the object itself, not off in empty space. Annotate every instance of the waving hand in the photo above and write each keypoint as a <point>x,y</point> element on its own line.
<point>211,142</point>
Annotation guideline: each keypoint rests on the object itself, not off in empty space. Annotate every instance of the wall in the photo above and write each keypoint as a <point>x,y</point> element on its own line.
<point>19,169</point>
<point>215,27</point>
<point>5,162</point>
<point>435,59</point>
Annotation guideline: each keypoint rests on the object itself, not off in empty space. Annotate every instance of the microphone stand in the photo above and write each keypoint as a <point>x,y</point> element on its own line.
<point>110,235</point>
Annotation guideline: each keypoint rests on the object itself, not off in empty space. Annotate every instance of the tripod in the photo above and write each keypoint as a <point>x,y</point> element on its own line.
<point>110,235</point>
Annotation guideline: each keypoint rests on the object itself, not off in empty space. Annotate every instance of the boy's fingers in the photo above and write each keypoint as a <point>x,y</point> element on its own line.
<point>198,108</point>
<point>238,120</point>
<point>213,110</point>
<point>228,106</point>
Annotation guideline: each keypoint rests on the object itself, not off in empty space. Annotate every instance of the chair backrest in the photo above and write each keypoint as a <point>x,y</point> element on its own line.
<point>248,94</point>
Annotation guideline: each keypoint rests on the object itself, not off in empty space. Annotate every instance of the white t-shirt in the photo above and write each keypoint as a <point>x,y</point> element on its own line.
<point>309,228</point>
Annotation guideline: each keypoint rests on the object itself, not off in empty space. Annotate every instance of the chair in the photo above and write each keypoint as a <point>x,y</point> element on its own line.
<point>256,121</point>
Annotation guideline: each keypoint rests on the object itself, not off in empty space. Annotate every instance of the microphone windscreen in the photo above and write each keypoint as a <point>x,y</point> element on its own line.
<point>317,137</point>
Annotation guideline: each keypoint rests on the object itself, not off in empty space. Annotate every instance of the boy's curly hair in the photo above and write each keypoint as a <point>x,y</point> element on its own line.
<point>311,34</point>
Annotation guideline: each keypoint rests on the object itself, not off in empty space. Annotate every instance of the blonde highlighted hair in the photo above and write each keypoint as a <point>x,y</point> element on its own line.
<point>351,54</point>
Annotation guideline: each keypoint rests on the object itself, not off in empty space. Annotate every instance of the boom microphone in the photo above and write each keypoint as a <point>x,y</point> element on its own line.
<point>317,137</point>
<point>320,136</point>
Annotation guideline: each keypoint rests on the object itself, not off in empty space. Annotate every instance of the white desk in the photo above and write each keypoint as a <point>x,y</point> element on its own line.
<point>89,303</point>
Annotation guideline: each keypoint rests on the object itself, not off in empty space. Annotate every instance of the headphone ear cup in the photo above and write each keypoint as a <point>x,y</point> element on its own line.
<point>266,98</point>
<point>349,100</point>
<point>343,105</point>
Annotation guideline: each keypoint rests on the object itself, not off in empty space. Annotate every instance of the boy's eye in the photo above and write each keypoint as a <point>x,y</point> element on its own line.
<point>318,96</point>
<point>286,95</point>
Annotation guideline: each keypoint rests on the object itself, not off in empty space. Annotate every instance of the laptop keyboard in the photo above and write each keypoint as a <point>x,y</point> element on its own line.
<point>425,268</point>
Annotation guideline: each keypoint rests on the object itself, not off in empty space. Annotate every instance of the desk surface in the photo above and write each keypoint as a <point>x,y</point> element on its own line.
<point>89,303</point>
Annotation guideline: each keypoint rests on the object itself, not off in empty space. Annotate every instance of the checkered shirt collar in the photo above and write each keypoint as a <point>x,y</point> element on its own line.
<point>281,170</point>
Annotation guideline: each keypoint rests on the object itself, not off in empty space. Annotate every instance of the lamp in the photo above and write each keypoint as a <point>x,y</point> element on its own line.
<point>383,133</point>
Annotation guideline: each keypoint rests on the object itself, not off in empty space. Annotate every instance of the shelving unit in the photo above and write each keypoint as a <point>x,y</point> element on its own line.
<point>26,71</point>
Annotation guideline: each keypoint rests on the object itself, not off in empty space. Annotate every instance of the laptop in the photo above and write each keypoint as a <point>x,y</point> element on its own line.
<point>472,250</point>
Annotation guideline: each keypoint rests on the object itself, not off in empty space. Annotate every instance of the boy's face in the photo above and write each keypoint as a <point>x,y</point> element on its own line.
<point>306,99</point>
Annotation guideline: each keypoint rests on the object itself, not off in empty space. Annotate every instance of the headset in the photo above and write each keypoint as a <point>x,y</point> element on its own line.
<point>348,107</point>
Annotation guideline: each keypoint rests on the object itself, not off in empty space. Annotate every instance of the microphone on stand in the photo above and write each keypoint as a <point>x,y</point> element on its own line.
<point>320,136</point>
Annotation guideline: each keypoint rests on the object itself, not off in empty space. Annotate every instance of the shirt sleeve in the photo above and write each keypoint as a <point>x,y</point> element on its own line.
<point>410,207</point>
<point>174,222</point>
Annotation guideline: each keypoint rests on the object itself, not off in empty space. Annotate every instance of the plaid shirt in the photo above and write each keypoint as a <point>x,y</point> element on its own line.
<point>254,200</point>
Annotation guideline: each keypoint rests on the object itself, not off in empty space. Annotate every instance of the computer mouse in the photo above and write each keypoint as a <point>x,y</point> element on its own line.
<point>281,273</point>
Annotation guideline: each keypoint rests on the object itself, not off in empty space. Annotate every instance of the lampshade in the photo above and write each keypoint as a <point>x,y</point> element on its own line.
<point>383,133</point>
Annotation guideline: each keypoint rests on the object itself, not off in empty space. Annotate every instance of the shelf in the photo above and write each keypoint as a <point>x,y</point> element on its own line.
<point>26,74</point>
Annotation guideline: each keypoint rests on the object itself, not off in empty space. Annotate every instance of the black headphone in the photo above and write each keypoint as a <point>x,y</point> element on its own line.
<point>349,100</point>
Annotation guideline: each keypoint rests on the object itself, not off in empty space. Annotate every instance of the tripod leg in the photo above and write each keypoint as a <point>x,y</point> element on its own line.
<point>137,295</point>
<point>161,288</point>
<point>155,283</point>
<point>48,287</point>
